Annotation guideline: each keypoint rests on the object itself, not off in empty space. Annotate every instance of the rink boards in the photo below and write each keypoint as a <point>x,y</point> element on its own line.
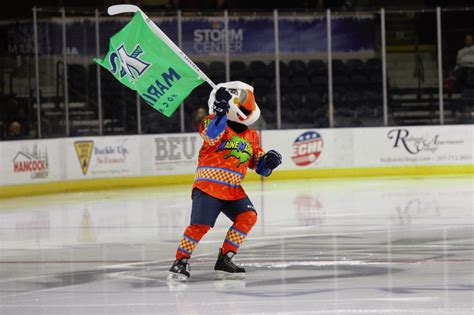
<point>67,164</point>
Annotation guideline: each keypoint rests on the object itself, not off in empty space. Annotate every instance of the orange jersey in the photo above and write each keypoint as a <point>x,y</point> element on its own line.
<point>224,159</point>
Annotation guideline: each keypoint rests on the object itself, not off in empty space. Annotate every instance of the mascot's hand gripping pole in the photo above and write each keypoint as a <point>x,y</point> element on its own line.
<point>129,8</point>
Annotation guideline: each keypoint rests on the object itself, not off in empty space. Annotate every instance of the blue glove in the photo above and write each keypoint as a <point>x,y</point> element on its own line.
<point>221,104</point>
<point>268,163</point>
<point>271,159</point>
<point>220,108</point>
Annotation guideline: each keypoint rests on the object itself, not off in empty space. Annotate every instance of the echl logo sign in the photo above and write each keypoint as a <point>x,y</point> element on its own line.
<point>307,148</point>
<point>130,64</point>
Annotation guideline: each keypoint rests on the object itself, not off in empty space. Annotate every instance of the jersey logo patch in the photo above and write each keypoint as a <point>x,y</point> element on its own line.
<point>238,147</point>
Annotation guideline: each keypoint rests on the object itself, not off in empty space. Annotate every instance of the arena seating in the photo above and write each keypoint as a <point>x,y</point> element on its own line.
<point>357,93</point>
<point>303,90</point>
<point>357,90</point>
<point>357,96</point>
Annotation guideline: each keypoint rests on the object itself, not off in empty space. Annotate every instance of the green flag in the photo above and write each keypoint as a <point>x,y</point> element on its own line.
<point>142,61</point>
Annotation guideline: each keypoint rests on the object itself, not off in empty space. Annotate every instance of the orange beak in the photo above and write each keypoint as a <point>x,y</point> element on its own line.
<point>246,103</point>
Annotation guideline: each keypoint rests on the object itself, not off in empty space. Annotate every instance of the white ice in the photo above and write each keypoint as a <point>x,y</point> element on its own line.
<point>365,246</point>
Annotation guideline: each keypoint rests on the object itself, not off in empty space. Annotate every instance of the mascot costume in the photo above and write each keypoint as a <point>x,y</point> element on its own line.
<point>230,147</point>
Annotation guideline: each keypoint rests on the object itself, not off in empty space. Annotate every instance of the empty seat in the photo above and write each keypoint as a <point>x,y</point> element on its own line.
<point>316,66</point>
<point>341,81</point>
<point>319,82</point>
<point>92,82</point>
<point>77,82</point>
<point>238,71</point>
<point>217,71</point>
<point>261,86</point>
<point>297,68</point>
<point>305,116</point>
<point>285,85</point>
<point>365,111</point>
<point>270,101</point>
<point>203,67</point>
<point>360,81</point>
<point>258,69</point>
<point>339,67</point>
<point>313,100</point>
<point>268,115</point>
<point>374,63</point>
<point>338,98</point>
<point>355,63</point>
<point>322,121</point>
<point>292,102</point>
<point>237,66</point>
<point>217,66</point>
<point>202,91</point>
<point>375,81</point>
<point>356,67</point>
<point>218,78</point>
<point>289,119</point>
<point>258,66</point>
<point>243,76</point>
<point>300,84</point>
<point>353,99</point>
<point>191,103</point>
<point>372,99</point>
<point>284,70</point>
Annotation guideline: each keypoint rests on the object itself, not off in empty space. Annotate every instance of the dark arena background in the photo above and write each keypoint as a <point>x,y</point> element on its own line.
<point>369,102</point>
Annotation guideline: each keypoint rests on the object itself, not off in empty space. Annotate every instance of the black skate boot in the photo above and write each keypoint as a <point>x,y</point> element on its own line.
<point>226,269</point>
<point>179,271</point>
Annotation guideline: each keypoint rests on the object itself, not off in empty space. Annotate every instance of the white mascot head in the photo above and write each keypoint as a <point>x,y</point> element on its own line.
<point>242,97</point>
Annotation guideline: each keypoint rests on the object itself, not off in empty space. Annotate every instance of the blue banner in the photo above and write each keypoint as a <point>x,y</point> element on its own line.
<point>246,36</point>
<point>200,35</point>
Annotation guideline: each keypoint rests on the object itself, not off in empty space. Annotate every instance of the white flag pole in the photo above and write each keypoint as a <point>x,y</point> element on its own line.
<point>130,8</point>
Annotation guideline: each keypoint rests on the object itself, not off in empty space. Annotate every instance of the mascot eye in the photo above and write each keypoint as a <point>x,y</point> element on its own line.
<point>233,91</point>
<point>245,111</point>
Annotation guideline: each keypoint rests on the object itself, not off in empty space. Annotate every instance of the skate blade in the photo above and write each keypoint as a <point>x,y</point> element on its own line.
<point>176,277</point>
<point>222,275</point>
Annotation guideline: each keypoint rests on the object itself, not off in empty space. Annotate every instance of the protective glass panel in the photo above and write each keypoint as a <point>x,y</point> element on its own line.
<point>251,60</point>
<point>118,101</point>
<point>51,74</point>
<point>357,70</point>
<point>81,73</point>
<point>153,121</point>
<point>303,70</point>
<point>412,68</point>
<point>18,116</point>
<point>203,40</point>
<point>458,66</point>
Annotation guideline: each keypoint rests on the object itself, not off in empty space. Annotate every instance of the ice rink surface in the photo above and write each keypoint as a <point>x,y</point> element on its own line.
<point>365,246</point>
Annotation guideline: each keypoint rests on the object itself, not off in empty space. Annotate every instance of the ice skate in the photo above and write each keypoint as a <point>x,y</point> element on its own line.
<point>226,269</point>
<point>179,271</point>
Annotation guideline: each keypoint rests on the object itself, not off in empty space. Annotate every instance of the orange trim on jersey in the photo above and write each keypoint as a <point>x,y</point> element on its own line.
<point>223,162</point>
<point>219,175</point>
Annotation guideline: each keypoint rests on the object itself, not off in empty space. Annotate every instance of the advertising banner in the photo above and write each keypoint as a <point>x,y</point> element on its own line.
<point>253,35</point>
<point>36,161</point>
<point>405,146</point>
<point>29,162</point>
<point>102,157</point>
<point>200,35</point>
<point>175,153</point>
<point>206,36</point>
<point>302,149</point>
